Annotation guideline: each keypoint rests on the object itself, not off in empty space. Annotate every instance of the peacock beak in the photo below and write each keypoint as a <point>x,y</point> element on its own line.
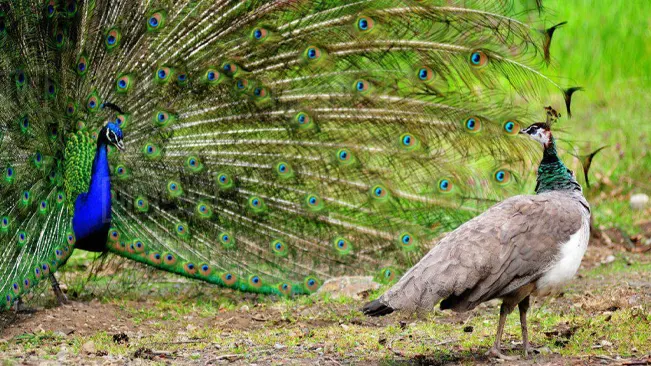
<point>120,145</point>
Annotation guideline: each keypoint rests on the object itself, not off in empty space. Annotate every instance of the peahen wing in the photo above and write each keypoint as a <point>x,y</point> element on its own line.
<point>274,144</point>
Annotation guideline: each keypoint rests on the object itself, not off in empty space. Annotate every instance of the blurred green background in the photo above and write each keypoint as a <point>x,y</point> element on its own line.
<point>605,47</point>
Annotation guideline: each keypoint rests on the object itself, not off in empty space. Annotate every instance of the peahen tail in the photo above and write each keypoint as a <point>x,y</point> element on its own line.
<point>269,145</point>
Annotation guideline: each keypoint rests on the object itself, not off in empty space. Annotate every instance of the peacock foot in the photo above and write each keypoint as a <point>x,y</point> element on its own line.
<point>21,308</point>
<point>495,352</point>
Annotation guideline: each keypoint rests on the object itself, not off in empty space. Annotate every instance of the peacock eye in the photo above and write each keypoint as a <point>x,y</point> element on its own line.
<point>363,24</point>
<point>472,124</point>
<point>478,58</point>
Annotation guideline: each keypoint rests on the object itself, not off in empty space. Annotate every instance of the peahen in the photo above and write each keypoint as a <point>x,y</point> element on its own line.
<point>523,246</point>
<point>260,145</point>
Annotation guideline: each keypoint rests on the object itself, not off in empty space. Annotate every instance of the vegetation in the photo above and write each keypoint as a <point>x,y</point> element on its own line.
<point>604,314</point>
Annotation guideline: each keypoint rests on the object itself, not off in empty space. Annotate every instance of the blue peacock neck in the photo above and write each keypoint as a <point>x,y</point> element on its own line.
<point>92,218</point>
<point>553,175</point>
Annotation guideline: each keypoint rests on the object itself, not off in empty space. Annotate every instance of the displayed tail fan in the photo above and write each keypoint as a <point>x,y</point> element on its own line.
<point>267,145</point>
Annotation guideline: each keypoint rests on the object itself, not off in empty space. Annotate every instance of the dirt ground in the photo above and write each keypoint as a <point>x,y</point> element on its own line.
<point>602,318</point>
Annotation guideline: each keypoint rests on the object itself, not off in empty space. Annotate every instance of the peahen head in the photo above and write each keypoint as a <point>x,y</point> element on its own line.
<point>539,131</point>
<point>542,131</point>
<point>111,134</point>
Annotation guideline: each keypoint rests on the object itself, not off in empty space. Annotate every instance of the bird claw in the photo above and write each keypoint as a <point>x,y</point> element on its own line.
<point>496,353</point>
<point>20,308</point>
<point>62,298</point>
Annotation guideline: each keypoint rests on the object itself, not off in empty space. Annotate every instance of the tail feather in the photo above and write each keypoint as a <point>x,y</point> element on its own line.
<point>376,308</point>
<point>269,144</point>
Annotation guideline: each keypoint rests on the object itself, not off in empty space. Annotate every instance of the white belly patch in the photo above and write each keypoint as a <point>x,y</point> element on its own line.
<point>566,264</point>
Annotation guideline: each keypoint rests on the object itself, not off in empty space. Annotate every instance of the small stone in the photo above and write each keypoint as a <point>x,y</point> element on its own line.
<point>605,343</point>
<point>350,286</point>
<point>279,346</point>
<point>468,329</point>
<point>639,201</point>
<point>89,348</point>
<point>244,308</point>
<point>609,259</point>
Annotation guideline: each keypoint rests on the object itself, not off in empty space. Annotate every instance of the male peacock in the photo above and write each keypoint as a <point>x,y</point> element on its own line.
<point>268,145</point>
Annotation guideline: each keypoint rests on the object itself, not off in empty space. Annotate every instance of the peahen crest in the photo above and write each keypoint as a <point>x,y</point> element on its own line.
<point>268,145</point>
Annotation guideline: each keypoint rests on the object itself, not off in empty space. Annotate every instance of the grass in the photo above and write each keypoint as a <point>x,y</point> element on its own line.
<point>199,323</point>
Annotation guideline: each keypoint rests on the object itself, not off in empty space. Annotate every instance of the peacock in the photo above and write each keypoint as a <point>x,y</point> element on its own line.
<point>264,146</point>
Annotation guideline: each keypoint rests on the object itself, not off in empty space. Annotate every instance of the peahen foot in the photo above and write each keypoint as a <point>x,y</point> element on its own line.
<point>495,352</point>
<point>61,297</point>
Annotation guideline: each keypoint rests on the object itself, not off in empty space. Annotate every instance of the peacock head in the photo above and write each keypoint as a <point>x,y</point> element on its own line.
<point>112,134</point>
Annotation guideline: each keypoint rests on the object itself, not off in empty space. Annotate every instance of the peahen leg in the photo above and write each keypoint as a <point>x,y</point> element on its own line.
<point>61,297</point>
<point>505,310</point>
<point>523,306</point>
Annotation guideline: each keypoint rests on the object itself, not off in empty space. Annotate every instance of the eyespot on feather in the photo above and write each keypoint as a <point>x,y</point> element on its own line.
<point>342,246</point>
<point>511,127</point>
<point>502,176</point>
<point>311,284</point>
<point>472,124</point>
<point>478,59</point>
<point>444,185</point>
<point>228,278</point>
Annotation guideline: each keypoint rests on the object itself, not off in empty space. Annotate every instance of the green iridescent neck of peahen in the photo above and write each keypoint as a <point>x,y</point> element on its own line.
<point>553,175</point>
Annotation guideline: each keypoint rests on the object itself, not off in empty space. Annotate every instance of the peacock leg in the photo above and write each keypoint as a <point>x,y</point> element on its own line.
<point>523,306</point>
<point>61,297</point>
<point>20,308</point>
<point>505,310</point>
